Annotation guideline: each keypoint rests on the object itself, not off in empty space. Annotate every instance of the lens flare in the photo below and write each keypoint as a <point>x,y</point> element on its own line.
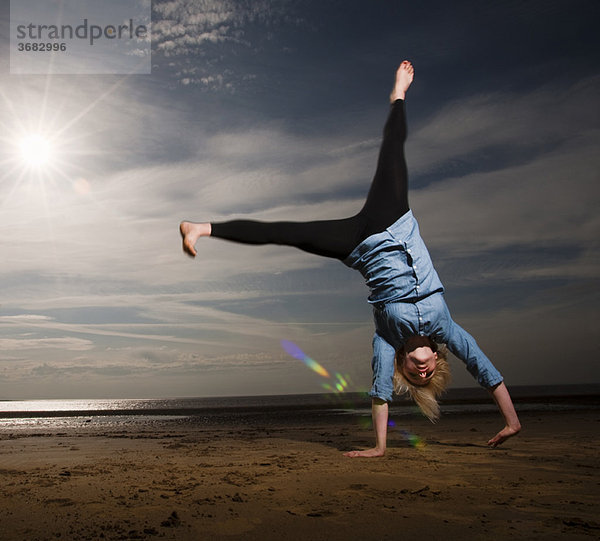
<point>337,383</point>
<point>341,380</point>
<point>293,350</point>
<point>412,439</point>
<point>365,422</point>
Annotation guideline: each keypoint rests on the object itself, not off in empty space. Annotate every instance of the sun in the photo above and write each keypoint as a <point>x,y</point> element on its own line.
<point>35,150</point>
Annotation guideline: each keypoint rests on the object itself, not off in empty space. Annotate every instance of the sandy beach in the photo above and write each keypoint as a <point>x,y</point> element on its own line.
<point>290,481</point>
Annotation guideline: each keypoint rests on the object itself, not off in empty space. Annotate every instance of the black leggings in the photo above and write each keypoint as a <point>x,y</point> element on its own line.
<point>386,202</point>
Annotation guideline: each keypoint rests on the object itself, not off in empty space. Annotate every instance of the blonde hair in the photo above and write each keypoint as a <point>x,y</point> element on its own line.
<point>425,396</point>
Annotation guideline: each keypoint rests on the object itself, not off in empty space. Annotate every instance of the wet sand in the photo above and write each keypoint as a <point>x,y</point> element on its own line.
<point>290,481</point>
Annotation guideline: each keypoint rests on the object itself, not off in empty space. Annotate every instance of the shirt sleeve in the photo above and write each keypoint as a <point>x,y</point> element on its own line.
<point>464,346</point>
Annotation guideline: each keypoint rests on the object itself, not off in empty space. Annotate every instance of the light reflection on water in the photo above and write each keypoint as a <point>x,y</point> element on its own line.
<point>104,422</point>
<point>139,421</point>
<point>123,414</point>
<point>84,405</point>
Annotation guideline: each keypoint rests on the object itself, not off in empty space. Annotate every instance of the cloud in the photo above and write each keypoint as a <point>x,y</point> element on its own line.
<point>184,31</point>
<point>520,124</point>
<point>543,195</point>
<point>65,343</point>
<point>77,371</point>
<point>154,363</point>
<point>24,319</point>
<point>549,199</point>
<point>270,172</point>
<point>505,193</point>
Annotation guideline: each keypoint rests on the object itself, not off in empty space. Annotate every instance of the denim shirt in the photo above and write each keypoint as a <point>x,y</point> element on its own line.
<point>396,264</point>
<point>407,298</point>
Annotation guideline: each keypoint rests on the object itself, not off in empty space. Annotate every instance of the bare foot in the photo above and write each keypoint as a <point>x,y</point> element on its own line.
<point>404,77</point>
<point>369,453</point>
<point>190,233</point>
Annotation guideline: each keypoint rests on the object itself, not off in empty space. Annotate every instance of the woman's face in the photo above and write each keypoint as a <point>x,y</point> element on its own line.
<point>419,365</point>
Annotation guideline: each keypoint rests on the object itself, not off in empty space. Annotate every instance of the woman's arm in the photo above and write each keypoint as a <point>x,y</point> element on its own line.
<point>379,412</point>
<point>464,346</point>
<point>507,409</point>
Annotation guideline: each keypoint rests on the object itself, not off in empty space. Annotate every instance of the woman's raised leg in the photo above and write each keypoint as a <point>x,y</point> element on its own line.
<point>386,202</point>
<point>388,196</point>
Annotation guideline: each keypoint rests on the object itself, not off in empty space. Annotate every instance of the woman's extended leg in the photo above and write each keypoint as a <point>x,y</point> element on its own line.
<point>327,238</point>
<point>388,196</point>
<point>386,202</point>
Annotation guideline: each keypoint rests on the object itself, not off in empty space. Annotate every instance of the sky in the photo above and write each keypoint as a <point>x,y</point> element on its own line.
<point>273,109</point>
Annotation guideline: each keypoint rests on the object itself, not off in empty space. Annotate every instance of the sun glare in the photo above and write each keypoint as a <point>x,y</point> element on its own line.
<point>35,150</point>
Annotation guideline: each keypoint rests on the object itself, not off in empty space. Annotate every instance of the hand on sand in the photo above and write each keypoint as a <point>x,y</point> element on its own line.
<point>368,453</point>
<point>503,435</point>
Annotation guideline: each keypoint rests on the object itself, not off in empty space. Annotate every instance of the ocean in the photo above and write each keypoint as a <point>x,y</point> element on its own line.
<point>120,414</point>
